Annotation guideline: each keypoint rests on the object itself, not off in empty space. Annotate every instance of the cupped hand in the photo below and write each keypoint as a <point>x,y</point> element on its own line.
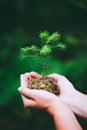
<point>35,98</point>
<point>67,90</point>
<point>46,100</point>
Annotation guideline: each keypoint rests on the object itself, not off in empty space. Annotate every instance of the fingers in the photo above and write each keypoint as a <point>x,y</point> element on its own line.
<point>26,92</point>
<point>28,103</point>
<point>55,76</point>
<point>34,75</point>
<point>25,78</point>
<point>27,97</point>
<point>24,81</point>
<point>34,94</point>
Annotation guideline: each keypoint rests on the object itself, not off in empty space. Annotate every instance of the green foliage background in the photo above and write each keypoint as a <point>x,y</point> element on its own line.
<point>20,23</point>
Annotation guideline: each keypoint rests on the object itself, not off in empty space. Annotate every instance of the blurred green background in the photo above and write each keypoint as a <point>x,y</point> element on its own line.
<point>20,23</point>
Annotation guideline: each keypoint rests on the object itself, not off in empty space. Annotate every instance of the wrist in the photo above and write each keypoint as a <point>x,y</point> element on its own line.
<point>56,107</point>
<point>53,106</point>
<point>78,103</point>
<point>61,114</point>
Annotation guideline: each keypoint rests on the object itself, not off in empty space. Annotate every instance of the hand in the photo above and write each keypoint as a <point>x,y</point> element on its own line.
<point>40,99</point>
<point>35,98</point>
<point>51,103</point>
<point>66,87</point>
<point>74,99</point>
<point>68,94</point>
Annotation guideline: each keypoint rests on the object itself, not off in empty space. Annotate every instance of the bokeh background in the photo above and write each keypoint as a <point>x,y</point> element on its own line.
<point>20,23</point>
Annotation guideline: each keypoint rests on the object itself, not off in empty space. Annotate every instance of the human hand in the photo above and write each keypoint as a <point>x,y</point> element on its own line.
<point>51,103</point>
<point>40,99</point>
<point>70,96</point>
<point>35,98</point>
<point>67,89</point>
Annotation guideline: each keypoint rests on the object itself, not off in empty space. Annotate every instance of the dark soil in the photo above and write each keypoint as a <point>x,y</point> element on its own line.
<point>45,83</point>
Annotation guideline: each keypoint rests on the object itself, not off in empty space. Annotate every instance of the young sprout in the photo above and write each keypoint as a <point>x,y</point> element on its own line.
<point>48,43</point>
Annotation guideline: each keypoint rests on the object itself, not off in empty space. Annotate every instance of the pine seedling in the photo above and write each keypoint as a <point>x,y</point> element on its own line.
<point>48,42</point>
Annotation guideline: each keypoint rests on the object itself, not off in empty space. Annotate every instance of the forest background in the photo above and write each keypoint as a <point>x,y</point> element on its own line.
<point>20,23</point>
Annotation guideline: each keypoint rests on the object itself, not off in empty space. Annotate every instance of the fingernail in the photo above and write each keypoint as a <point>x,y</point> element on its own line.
<point>19,89</point>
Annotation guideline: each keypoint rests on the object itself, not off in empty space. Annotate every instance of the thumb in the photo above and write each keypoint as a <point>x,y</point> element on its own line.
<point>26,92</point>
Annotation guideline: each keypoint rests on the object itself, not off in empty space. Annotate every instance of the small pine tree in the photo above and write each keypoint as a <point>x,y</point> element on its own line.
<point>48,42</point>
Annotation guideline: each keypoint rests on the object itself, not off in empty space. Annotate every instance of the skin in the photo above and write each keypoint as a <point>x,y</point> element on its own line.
<point>78,102</point>
<point>62,115</point>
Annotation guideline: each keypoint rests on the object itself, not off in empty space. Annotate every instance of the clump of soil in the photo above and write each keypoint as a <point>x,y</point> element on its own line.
<point>45,83</point>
